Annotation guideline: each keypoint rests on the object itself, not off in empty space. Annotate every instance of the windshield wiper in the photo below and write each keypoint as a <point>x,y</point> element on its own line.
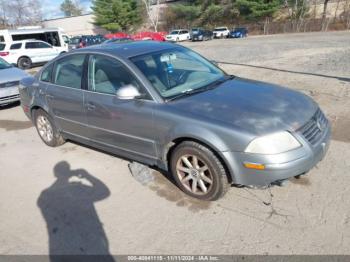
<point>201,89</point>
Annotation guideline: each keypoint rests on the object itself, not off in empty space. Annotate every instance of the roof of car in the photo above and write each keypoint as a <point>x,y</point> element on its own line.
<point>130,49</point>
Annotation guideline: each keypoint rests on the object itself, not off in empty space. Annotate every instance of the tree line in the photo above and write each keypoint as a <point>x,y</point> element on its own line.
<point>126,15</point>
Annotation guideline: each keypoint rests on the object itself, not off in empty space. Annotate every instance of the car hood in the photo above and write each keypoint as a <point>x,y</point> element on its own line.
<point>251,106</point>
<point>11,74</point>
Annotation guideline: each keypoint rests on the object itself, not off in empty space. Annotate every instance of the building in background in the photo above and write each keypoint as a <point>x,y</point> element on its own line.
<point>76,25</point>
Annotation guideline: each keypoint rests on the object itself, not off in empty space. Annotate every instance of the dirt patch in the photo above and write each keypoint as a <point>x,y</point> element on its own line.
<point>164,188</point>
<point>303,181</point>
<point>11,125</point>
<point>341,129</point>
<point>68,149</point>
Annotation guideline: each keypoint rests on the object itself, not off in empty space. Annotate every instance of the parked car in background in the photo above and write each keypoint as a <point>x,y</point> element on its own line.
<point>9,82</point>
<point>166,106</point>
<point>239,32</point>
<point>25,53</point>
<point>154,36</point>
<point>178,35</point>
<point>199,34</point>
<point>85,40</point>
<point>221,32</point>
<point>118,40</point>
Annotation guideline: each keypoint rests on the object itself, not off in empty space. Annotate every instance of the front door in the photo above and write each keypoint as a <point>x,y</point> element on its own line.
<point>123,125</point>
<point>65,95</point>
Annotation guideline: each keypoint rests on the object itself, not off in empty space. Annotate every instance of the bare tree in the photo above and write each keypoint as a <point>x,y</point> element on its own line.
<point>153,10</point>
<point>324,16</point>
<point>22,12</point>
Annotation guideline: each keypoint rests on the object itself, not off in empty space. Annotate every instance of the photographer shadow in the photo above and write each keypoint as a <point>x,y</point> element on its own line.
<point>73,225</point>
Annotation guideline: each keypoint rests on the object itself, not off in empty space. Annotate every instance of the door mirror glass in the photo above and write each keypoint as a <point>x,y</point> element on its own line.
<point>128,92</point>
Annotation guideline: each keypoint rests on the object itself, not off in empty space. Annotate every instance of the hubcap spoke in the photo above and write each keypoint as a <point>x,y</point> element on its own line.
<point>206,179</point>
<point>195,162</point>
<point>194,185</point>
<point>187,178</point>
<point>187,162</point>
<point>202,186</point>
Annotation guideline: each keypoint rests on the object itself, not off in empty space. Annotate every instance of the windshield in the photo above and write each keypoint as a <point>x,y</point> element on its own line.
<point>4,64</point>
<point>176,71</point>
<point>176,32</point>
<point>74,40</point>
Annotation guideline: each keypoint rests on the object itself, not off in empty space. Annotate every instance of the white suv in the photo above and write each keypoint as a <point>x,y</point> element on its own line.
<point>178,35</point>
<point>25,53</point>
<point>221,32</point>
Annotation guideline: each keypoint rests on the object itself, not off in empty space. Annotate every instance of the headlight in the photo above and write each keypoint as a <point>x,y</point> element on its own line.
<point>273,144</point>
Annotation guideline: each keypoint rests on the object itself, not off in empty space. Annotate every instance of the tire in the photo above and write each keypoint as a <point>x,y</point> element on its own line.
<point>209,172</point>
<point>47,129</point>
<point>24,63</point>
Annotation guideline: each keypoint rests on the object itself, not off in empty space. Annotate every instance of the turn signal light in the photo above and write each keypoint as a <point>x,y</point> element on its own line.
<point>254,166</point>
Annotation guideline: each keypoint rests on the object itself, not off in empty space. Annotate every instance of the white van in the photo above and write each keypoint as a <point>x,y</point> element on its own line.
<point>53,36</point>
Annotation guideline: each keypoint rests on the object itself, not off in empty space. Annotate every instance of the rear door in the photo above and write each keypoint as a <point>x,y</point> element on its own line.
<point>122,125</point>
<point>65,96</point>
<point>47,51</point>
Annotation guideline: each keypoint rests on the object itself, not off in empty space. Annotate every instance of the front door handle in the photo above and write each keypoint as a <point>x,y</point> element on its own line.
<point>90,106</point>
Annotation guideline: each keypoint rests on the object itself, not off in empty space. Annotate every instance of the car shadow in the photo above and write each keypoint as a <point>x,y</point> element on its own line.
<point>9,106</point>
<point>73,225</point>
<point>345,79</point>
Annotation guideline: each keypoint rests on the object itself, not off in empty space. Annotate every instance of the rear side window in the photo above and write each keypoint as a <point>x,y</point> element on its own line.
<point>2,39</point>
<point>46,75</point>
<point>68,71</point>
<point>2,46</point>
<point>16,46</point>
<point>30,45</point>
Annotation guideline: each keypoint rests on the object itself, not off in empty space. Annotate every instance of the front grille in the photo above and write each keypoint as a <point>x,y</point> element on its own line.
<point>9,84</point>
<point>6,98</point>
<point>313,129</point>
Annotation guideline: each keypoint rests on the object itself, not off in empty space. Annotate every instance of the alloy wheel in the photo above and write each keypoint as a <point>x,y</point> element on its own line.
<point>194,174</point>
<point>44,128</point>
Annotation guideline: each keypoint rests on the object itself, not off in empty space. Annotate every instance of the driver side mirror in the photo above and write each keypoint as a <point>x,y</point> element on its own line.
<point>128,92</point>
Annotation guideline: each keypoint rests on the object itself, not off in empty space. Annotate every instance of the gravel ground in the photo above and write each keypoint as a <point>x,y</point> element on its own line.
<point>41,213</point>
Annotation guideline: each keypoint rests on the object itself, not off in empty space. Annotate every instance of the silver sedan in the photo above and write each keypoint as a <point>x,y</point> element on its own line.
<point>9,82</point>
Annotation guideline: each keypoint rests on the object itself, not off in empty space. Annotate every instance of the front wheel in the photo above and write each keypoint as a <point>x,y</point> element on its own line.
<point>198,171</point>
<point>46,129</point>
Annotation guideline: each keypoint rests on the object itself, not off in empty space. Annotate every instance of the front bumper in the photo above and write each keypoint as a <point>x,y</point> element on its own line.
<point>9,95</point>
<point>279,166</point>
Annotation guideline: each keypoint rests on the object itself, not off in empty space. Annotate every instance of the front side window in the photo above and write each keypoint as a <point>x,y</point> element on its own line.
<point>68,71</point>
<point>175,32</point>
<point>43,45</point>
<point>2,46</point>
<point>106,75</point>
<point>176,71</point>
<point>46,75</point>
<point>16,46</point>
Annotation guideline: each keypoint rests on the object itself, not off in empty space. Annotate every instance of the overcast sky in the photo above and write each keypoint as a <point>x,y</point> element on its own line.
<point>51,8</point>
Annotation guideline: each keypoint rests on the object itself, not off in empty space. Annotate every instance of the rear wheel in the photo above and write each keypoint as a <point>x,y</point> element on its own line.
<point>24,63</point>
<point>198,172</point>
<point>46,129</point>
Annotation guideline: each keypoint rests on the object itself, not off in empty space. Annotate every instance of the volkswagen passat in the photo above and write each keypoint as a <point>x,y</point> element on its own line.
<point>164,105</point>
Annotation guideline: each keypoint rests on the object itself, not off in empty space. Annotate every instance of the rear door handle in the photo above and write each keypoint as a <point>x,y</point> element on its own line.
<point>90,106</point>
